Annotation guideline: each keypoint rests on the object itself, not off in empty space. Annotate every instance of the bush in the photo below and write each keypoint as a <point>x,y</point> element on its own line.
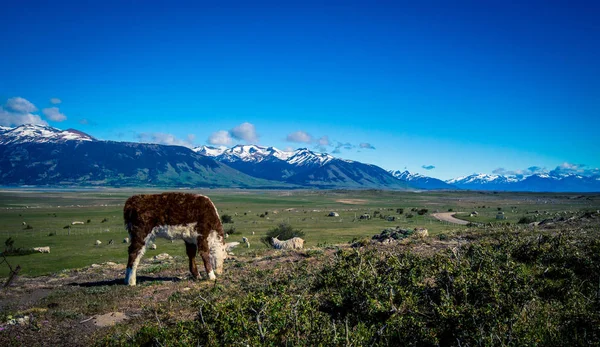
<point>422,211</point>
<point>511,290</point>
<point>399,210</point>
<point>226,219</point>
<point>10,249</point>
<point>230,230</point>
<point>410,215</point>
<point>283,231</point>
<point>28,227</point>
<point>526,220</point>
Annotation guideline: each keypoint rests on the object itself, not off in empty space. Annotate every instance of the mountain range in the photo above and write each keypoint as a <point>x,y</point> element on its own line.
<point>43,155</point>
<point>303,167</point>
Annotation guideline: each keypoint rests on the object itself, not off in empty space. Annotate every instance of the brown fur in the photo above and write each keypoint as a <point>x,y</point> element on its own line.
<point>144,212</point>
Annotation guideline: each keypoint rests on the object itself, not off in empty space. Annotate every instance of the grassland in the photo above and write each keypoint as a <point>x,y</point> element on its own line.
<point>72,246</point>
<point>491,283</point>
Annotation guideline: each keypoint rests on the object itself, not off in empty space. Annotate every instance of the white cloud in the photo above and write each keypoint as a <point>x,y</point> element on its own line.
<point>299,136</point>
<point>245,131</point>
<point>577,169</point>
<point>20,105</point>
<point>53,114</point>
<point>524,172</point>
<point>55,101</point>
<point>166,139</point>
<point>323,141</point>
<point>366,145</point>
<point>13,119</point>
<point>220,138</point>
<point>18,111</point>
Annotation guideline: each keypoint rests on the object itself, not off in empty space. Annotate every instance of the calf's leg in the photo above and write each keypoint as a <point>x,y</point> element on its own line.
<point>137,248</point>
<point>191,250</point>
<point>204,253</point>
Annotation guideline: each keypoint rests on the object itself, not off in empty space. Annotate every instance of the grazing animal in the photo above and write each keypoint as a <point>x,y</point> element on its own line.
<point>77,223</point>
<point>293,243</point>
<point>98,243</point>
<point>42,249</point>
<point>153,246</point>
<point>421,232</point>
<point>111,242</point>
<point>190,217</point>
<point>245,240</point>
<point>231,245</point>
<point>126,240</point>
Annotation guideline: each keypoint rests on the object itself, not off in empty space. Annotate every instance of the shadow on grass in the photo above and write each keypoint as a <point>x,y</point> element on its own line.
<point>121,281</point>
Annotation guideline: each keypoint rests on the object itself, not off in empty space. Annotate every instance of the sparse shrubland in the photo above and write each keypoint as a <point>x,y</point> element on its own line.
<point>505,289</point>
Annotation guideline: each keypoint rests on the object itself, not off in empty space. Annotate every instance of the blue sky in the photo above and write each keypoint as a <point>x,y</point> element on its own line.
<point>438,87</point>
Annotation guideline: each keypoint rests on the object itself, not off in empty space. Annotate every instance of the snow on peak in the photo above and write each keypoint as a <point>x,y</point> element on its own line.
<point>31,133</point>
<point>479,178</point>
<point>256,154</point>
<point>210,151</point>
<point>303,156</point>
<point>405,175</point>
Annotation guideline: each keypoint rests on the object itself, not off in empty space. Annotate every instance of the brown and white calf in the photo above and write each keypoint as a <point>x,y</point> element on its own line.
<point>190,217</point>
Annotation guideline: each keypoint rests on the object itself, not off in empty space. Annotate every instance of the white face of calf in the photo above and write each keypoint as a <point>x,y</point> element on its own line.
<point>217,253</point>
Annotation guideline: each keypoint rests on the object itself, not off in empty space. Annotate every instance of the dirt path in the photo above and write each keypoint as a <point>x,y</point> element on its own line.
<point>449,217</point>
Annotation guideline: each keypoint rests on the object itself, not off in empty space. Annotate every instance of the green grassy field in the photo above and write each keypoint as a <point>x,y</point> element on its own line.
<point>49,212</point>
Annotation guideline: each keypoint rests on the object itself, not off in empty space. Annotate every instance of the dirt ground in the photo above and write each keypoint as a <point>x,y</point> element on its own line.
<point>449,217</point>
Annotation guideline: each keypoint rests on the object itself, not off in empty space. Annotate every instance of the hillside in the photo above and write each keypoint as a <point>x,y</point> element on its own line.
<point>108,163</point>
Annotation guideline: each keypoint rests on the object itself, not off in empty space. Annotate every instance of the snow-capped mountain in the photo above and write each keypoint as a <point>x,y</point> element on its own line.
<point>483,181</point>
<point>210,151</point>
<point>30,133</point>
<point>421,181</point>
<point>302,167</point>
<point>542,182</point>
<point>41,155</point>
<point>246,153</point>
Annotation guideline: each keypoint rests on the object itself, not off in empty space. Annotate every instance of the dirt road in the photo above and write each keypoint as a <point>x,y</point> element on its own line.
<point>449,217</point>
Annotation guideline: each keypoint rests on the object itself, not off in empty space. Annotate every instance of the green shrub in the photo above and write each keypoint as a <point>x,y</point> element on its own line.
<point>526,220</point>
<point>226,219</point>
<point>230,230</point>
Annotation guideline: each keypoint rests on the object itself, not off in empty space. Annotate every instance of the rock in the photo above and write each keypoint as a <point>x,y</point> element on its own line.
<point>95,266</point>
<point>109,319</point>
<point>110,263</point>
<point>162,256</point>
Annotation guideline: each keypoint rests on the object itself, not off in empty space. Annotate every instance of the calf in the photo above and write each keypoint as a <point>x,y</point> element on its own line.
<point>190,217</point>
